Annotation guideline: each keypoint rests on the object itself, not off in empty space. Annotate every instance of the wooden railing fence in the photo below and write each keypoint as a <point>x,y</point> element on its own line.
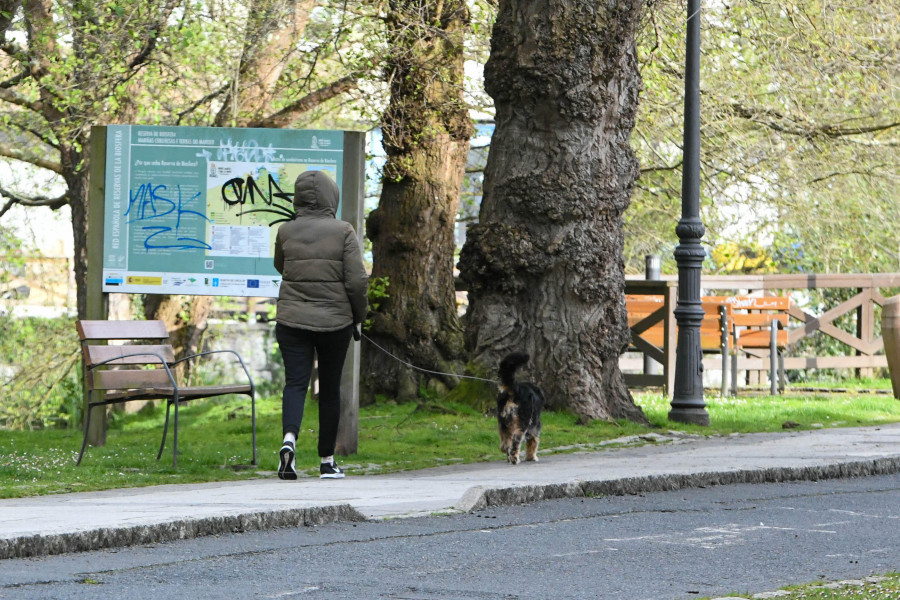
<point>864,350</point>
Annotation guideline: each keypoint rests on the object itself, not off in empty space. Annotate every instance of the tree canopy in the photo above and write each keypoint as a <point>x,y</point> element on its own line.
<point>800,122</point>
<point>66,66</point>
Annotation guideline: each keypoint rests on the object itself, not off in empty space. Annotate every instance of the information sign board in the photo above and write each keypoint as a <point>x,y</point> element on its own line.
<point>195,210</point>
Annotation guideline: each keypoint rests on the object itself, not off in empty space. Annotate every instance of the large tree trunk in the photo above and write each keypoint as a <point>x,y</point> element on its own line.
<point>426,131</point>
<point>273,27</point>
<point>77,185</point>
<point>544,265</point>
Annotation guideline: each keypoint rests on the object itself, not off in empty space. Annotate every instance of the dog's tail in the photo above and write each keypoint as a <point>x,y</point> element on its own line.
<point>508,367</point>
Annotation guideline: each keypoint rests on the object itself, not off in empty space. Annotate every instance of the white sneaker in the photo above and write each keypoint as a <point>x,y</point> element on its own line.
<point>287,469</point>
<point>330,471</point>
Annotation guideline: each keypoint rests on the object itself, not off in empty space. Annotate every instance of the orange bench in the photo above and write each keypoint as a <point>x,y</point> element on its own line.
<point>641,308</point>
<point>646,319</point>
<point>730,324</point>
<point>759,322</point>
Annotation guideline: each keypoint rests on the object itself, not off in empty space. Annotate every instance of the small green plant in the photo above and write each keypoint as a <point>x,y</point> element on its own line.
<point>378,293</point>
<point>12,259</point>
<point>41,371</point>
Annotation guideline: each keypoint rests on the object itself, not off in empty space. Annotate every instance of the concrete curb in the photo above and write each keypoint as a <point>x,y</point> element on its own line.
<point>482,498</point>
<point>99,539</point>
<point>475,498</point>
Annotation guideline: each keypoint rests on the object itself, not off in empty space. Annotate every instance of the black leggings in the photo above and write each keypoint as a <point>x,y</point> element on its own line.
<point>298,348</point>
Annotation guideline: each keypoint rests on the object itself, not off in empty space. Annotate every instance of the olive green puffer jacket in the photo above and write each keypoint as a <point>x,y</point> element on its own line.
<point>324,283</point>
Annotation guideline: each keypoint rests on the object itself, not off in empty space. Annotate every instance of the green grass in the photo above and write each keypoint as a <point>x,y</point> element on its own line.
<point>865,383</point>
<point>760,413</point>
<point>883,587</point>
<point>214,438</point>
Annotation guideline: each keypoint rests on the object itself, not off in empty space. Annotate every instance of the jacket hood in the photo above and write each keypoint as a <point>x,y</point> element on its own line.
<point>316,193</point>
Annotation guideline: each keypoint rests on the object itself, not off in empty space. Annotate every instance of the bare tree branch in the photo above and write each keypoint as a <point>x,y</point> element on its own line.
<point>662,167</point>
<point>222,90</point>
<point>866,172</point>
<point>13,199</point>
<point>41,135</point>
<point>15,79</point>
<point>774,120</point>
<point>10,96</point>
<point>17,154</point>
<point>285,116</point>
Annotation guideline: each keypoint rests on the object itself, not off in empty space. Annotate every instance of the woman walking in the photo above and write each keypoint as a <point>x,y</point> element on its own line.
<point>321,303</point>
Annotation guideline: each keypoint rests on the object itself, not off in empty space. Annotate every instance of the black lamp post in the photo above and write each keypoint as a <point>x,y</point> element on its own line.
<point>687,398</point>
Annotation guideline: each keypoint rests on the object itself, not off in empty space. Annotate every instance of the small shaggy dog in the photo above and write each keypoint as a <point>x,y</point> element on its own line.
<point>518,410</point>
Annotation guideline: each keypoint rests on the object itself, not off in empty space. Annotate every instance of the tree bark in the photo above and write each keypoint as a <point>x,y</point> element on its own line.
<point>426,131</point>
<point>544,265</point>
<point>274,27</point>
<point>76,177</point>
<point>186,318</point>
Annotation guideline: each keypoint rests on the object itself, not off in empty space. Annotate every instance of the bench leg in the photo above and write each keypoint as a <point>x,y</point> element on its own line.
<point>87,426</point>
<point>734,372</point>
<point>723,326</point>
<point>776,363</point>
<point>781,376</point>
<point>175,435</point>
<point>724,390</point>
<point>165,430</point>
<point>253,425</point>
<point>773,372</point>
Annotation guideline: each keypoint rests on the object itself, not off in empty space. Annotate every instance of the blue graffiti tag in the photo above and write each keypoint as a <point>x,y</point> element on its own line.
<point>149,202</point>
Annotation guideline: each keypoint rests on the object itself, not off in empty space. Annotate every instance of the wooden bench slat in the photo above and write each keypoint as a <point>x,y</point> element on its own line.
<point>752,302</point>
<point>187,393</point>
<point>759,319</point>
<point>129,378</point>
<point>761,339</point>
<point>98,354</point>
<point>643,307</point>
<point>736,302</point>
<point>636,298</point>
<point>634,318</point>
<point>709,340</point>
<point>121,330</point>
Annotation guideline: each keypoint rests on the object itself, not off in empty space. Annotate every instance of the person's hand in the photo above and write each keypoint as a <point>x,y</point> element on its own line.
<point>356,332</point>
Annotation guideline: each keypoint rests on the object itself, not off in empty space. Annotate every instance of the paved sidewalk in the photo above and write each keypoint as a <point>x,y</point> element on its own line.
<point>95,520</point>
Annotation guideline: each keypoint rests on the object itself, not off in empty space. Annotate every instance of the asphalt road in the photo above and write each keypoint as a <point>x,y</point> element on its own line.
<point>669,545</point>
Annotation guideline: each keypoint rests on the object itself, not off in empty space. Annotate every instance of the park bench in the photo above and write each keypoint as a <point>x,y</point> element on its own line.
<point>731,324</point>
<point>758,328</point>
<point>647,315</point>
<point>143,369</point>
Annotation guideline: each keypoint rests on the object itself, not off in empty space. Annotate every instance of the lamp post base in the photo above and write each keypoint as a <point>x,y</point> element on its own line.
<point>692,416</point>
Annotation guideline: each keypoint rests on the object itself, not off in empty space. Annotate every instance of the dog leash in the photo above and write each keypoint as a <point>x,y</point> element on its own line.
<point>412,366</point>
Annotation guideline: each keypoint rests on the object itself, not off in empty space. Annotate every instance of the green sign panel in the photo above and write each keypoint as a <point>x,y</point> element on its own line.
<point>195,210</point>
